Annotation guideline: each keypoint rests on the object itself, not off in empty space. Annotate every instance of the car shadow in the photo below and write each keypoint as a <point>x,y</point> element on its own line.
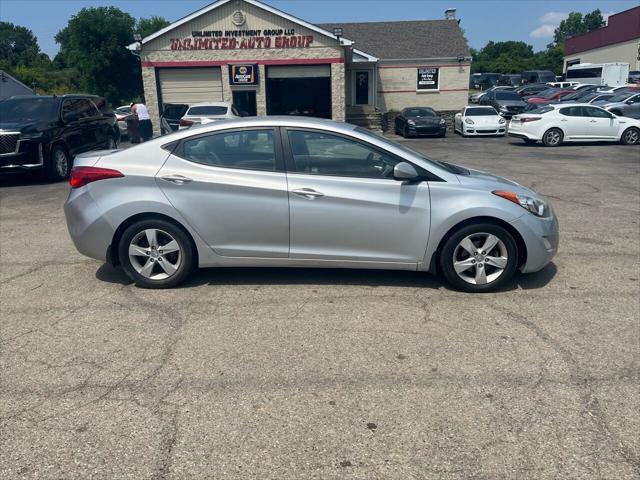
<point>520,144</point>
<point>21,178</point>
<point>328,276</point>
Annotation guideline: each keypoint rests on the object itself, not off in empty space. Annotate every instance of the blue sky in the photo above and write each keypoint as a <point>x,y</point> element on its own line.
<point>532,21</point>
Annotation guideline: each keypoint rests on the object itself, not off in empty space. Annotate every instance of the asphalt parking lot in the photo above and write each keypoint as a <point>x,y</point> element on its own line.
<point>291,373</point>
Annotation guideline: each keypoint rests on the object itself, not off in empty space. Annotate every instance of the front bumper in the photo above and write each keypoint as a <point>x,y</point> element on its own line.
<point>541,237</point>
<point>485,129</point>
<point>29,155</point>
<point>427,130</point>
<point>89,231</point>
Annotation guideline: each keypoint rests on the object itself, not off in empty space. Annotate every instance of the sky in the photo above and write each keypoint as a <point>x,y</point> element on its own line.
<point>532,21</point>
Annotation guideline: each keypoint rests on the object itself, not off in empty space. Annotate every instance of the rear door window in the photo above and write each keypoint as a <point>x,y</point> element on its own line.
<point>571,111</point>
<point>242,149</point>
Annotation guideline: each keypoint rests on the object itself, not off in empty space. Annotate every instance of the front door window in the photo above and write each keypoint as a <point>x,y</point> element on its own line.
<point>362,87</point>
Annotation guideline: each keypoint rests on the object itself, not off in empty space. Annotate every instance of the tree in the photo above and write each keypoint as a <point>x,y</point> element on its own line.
<point>502,57</point>
<point>147,26</point>
<point>18,46</point>
<point>576,24</point>
<point>94,43</point>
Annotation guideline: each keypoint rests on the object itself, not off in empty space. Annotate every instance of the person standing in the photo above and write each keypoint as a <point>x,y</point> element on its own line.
<point>144,120</point>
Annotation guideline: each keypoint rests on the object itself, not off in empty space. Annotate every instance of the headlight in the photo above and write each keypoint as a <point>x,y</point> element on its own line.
<point>534,205</point>
<point>468,121</point>
<point>502,120</point>
<point>411,122</point>
<point>443,121</point>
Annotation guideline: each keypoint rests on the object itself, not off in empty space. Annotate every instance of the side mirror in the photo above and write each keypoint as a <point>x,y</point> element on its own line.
<point>629,102</point>
<point>405,171</point>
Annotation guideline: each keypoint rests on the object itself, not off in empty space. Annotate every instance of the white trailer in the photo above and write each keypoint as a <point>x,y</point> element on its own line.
<point>611,74</point>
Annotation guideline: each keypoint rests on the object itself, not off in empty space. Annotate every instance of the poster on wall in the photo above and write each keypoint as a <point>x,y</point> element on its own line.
<point>243,74</point>
<point>428,78</point>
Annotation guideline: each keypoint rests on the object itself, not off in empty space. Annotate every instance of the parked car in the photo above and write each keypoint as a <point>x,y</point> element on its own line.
<point>624,104</point>
<point>588,86</point>
<point>121,117</point>
<point>484,80</point>
<point>555,124</point>
<point>479,121</point>
<point>207,112</point>
<point>531,89</point>
<point>591,97</point>
<point>511,79</point>
<point>47,132</point>
<point>564,85</point>
<point>475,98</point>
<point>420,121</point>
<point>548,96</point>
<point>538,76</point>
<point>506,103</point>
<point>634,76</point>
<point>306,192</point>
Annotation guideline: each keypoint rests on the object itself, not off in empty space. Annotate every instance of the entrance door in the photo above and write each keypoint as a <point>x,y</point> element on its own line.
<point>362,87</point>
<point>345,204</point>
<point>245,101</point>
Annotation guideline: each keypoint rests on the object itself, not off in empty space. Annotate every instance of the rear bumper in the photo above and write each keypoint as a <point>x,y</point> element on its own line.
<point>89,231</point>
<point>541,237</point>
<point>521,134</point>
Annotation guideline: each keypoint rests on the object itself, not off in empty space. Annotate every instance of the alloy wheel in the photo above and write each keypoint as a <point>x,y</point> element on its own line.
<point>480,258</point>
<point>553,137</point>
<point>61,163</point>
<point>631,137</point>
<point>155,254</point>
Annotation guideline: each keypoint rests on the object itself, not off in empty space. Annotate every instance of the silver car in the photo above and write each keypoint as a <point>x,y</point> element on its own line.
<point>301,192</point>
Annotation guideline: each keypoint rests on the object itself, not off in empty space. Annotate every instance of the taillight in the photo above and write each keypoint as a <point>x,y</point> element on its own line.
<point>185,123</point>
<point>529,119</point>
<point>81,176</point>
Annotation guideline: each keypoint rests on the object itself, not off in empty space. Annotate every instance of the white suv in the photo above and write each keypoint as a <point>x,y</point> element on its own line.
<point>555,124</point>
<point>200,113</point>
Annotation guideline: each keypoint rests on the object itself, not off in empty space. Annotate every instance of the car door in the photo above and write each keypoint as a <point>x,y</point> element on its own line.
<point>230,186</point>
<point>73,134</point>
<point>601,124</point>
<point>345,205</point>
<point>573,123</point>
<point>632,109</point>
<point>92,125</point>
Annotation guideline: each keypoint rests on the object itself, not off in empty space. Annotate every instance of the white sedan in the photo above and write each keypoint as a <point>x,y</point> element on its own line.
<point>474,120</point>
<point>555,124</point>
<point>201,113</point>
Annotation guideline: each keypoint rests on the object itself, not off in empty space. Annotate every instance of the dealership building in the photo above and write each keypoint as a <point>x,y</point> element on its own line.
<point>619,41</point>
<point>268,62</point>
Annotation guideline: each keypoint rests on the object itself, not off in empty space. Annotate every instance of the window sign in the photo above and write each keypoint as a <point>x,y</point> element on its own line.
<point>243,74</point>
<point>428,78</point>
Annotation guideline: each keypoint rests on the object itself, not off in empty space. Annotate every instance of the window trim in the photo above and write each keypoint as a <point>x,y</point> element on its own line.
<point>277,146</point>
<point>290,165</point>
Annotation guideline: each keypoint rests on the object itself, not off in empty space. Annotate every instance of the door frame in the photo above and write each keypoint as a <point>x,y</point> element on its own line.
<point>354,76</point>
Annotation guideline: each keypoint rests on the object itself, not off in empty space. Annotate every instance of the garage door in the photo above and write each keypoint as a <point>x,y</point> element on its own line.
<point>190,85</point>
<point>299,90</point>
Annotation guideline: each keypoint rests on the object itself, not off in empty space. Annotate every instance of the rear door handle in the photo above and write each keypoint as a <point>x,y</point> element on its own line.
<point>309,193</point>
<point>177,179</point>
<point>592,121</point>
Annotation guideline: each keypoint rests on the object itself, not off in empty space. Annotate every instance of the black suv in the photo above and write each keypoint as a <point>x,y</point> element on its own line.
<point>48,132</point>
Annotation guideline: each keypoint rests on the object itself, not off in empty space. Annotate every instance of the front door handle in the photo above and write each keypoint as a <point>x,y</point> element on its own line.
<point>177,179</point>
<point>309,193</point>
<point>592,121</point>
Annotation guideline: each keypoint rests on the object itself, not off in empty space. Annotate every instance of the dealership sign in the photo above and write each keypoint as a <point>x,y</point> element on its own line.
<point>428,78</point>
<point>243,74</point>
<point>242,39</point>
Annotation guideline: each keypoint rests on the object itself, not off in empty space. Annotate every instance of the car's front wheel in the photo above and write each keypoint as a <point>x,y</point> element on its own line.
<point>552,137</point>
<point>479,258</point>
<point>631,136</point>
<point>59,164</point>
<point>156,254</point>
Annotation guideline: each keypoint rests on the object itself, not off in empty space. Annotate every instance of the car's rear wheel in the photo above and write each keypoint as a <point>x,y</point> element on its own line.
<point>479,258</point>
<point>552,137</point>
<point>59,164</point>
<point>156,254</point>
<point>631,136</point>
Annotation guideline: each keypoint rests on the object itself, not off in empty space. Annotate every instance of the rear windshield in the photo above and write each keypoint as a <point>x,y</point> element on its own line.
<point>477,112</point>
<point>502,95</point>
<point>208,110</point>
<point>419,112</point>
<point>26,109</point>
<point>540,110</point>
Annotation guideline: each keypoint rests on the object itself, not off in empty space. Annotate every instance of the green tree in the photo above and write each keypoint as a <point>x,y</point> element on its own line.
<point>576,24</point>
<point>18,46</point>
<point>94,43</point>
<point>502,57</point>
<point>147,26</point>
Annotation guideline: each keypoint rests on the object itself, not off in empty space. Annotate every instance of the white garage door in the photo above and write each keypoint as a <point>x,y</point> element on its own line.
<point>190,85</point>
<point>299,71</point>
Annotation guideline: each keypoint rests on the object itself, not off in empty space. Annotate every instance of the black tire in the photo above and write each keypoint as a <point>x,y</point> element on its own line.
<point>631,136</point>
<point>111,143</point>
<point>58,165</point>
<point>405,132</point>
<point>446,259</point>
<point>186,257</point>
<point>552,137</point>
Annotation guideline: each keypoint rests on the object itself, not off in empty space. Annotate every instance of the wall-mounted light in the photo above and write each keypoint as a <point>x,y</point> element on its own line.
<point>337,32</point>
<point>460,58</point>
<point>137,37</point>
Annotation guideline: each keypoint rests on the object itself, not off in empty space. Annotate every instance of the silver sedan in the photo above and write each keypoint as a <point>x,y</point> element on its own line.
<point>301,192</point>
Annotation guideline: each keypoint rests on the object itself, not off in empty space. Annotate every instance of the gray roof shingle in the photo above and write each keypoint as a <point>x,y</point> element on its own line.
<point>406,39</point>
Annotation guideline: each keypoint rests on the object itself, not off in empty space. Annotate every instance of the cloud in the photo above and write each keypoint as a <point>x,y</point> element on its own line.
<point>550,22</point>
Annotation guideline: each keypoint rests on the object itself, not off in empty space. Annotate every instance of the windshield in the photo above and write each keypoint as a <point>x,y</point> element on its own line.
<point>548,92</point>
<point>621,97</point>
<point>480,111</point>
<point>25,109</point>
<point>419,112</point>
<point>502,95</point>
<point>208,110</point>
<point>447,166</point>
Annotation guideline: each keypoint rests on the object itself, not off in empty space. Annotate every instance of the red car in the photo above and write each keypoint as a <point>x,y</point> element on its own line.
<point>548,96</point>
